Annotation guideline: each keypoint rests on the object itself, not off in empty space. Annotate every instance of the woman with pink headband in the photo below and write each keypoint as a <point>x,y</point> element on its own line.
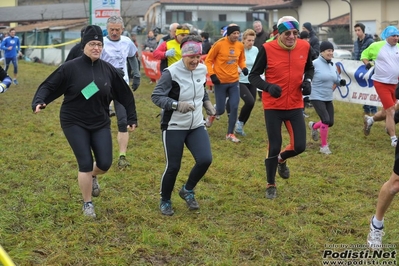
<point>181,94</point>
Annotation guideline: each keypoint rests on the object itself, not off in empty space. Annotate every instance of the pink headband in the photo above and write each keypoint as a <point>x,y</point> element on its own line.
<point>191,48</point>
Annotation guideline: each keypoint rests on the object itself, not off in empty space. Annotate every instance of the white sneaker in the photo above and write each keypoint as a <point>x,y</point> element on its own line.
<point>368,122</point>
<point>394,142</point>
<point>315,132</point>
<point>374,238</point>
<point>325,150</point>
<point>88,210</point>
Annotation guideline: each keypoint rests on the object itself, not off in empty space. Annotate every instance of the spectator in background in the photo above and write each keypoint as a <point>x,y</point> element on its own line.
<point>363,41</point>
<point>313,40</point>
<point>304,35</point>
<point>151,43</point>
<point>159,37</point>
<point>376,38</point>
<point>206,45</point>
<point>223,31</point>
<point>76,50</point>
<point>261,35</point>
<point>12,49</point>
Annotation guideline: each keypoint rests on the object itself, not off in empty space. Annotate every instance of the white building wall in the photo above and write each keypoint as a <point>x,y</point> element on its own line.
<point>384,13</point>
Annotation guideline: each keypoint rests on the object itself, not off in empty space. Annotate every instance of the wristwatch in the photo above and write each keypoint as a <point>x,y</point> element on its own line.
<point>174,105</point>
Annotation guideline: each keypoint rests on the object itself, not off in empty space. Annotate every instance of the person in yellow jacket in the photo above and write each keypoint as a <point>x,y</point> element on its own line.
<point>169,52</point>
<point>223,61</point>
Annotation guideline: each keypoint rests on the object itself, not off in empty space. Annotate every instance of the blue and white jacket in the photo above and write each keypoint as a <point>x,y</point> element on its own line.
<point>177,83</point>
<point>325,76</point>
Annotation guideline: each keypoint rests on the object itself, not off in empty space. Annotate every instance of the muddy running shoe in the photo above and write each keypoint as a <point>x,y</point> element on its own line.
<point>232,138</point>
<point>314,132</point>
<point>283,170</point>
<point>188,196</point>
<point>240,128</point>
<point>88,210</point>
<point>271,191</point>
<point>166,207</point>
<point>122,162</point>
<point>209,120</point>
<point>368,122</point>
<point>95,190</point>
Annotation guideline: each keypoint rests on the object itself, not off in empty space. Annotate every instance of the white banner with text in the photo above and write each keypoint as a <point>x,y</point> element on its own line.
<point>359,85</point>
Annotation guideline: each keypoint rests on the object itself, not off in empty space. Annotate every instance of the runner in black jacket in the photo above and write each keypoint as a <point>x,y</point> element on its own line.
<point>88,85</point>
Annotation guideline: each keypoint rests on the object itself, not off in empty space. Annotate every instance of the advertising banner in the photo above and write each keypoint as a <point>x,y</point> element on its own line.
<point>101,10</point>
<point>359,85</point>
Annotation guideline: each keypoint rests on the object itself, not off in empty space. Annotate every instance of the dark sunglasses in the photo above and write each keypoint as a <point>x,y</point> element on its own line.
<point>288,33</point>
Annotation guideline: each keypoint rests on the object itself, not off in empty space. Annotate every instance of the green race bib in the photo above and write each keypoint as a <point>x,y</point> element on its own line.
<point>90,90</point>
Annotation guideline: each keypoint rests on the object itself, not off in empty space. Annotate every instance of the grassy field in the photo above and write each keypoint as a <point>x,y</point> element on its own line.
<point>328,200</point>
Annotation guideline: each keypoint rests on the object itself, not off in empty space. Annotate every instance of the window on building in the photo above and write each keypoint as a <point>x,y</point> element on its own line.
<point>178,16</point>
<point>222,17</point>
<point>262,16</point>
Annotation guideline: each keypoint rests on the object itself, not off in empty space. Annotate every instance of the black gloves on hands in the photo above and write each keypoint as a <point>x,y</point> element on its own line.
<point>369,65</point>
<point>306,87</point>
<point>342,82</point>
<point>185,107</point>
<point>136,83</point>
<point>245,71</point>
<point>215,79</point>
<point>120,71</point>
<point>274,90</point>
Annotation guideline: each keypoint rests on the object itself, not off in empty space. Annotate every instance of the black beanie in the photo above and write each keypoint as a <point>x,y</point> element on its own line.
<point>304,34</point>
<point>308,26</point>
<point>326,45</point>
<point>92,33</point>
<point>231,29</point>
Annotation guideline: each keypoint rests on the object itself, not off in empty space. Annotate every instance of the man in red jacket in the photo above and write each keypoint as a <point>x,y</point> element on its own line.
<point>288,68</point>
